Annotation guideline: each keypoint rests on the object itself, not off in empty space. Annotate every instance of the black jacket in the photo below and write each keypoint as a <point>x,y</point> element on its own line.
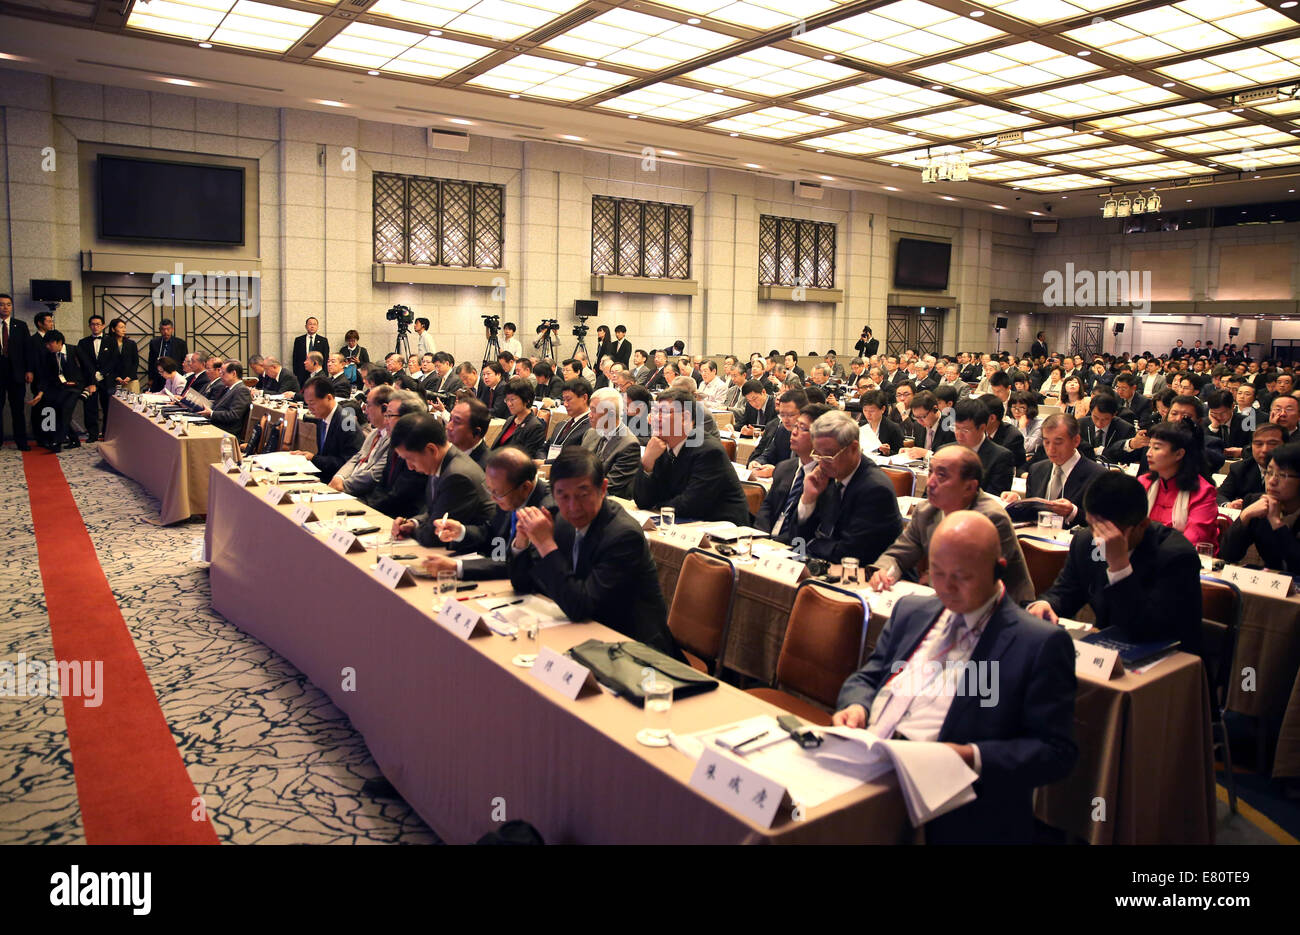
<point>285,383</point>
<point>457,492</point>
<point>774,446</point>
<point>1166,576</point>
<point>531,436</point>
<point>1010,438</point>
<point>341,442</point>
<point>491,540</point>
<point>299,359</point>
<point>230,409</point>
<point>1245,482</point>
<point>862,520</point>
<point>1040,476</point>
<point>92,362</point>
<point>777,494</point>
<point>1092,438</point>
<point>400,492</point>
<point>176,350</point>
<point>1143,412</point>
<point>891,434</point>
<point>614,582</point>
<point>1279,548</point>
<point>700,484</point>
<point>759,419</point>
<point>20,340</point>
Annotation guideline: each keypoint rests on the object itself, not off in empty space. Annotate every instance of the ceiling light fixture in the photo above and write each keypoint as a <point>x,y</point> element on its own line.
<point>514,97</point>
<point>947,198</point>
<point>329,103</point>
<point>205,45</point>
<point>827,178</point>
<point>435,32</point>
<point>461,120</point>
<point>828,58</point>
<point>372,72</point>
<point>890,188</point>
<point>1108,209</point>
<point>693,21</point>
<point>570,136</point>
<point>752,165</point>
<point>1084,54</point>
<point>976,14</point>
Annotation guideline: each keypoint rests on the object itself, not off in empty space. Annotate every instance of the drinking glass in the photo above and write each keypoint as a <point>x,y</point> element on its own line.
<point>446,582</point>
<point>744,549</point>
<point>667,516</point>
<point>1045,522</point>
<point>658,705</point>
<point>1206,551</point>
<point>849,571</point>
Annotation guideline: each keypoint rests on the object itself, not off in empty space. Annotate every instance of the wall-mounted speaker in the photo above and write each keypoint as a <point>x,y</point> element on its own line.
<point>1119,328</point>
<point>1001,323</point>
<point>1233,332</point>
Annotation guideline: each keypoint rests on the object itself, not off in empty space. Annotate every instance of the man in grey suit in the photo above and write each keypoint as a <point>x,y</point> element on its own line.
<point>455,487</point>
<point>230,410</point>
<point>1152,383</point>
<point>952,377</point>
<point>611,441</point>
<point>954,485</point>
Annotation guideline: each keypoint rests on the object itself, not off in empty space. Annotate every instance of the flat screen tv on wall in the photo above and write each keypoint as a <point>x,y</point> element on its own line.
<point>921,264</point>
<point>176,202</point>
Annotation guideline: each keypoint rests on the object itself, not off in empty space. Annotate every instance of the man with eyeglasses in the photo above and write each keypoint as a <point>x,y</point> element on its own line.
<point>511,481</point>
<point>774,447</point>
<point>777,512</point>
<point>1244,482</point>
<point>382,480</point>
<point>848,505</point>
<point>1269,524</point>
<point>1285,411</point>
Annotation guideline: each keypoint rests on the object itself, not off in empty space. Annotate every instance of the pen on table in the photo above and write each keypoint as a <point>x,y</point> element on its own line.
<point>745,743</point>
<point>507,604</point>
<point>349,512</point>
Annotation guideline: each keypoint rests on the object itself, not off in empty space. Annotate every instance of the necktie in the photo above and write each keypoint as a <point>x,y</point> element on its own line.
<point>791,501</point>
<point>514,520</point>
<point>929,439</point>
<point>1058,482</point>
<point>577,544</point>
<point>4,339</point>
<point>324,432</point>
<point>600,447</point>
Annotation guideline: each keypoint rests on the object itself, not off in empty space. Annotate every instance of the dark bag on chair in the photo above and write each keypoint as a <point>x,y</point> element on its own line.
<point>620,667</point>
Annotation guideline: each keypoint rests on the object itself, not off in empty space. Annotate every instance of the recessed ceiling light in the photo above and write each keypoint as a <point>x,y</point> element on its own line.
<point>976,14</point>
<point>1015,189</point>
<point>1024,112</point>
<point>827,178</point>
<point>570,136</point>
<point>823,113</point>
<point>1189,201</point>
<point>947,198</point>
<point>633,116</point>
<point>590,64</point>
<point>733,134</point>
<point>1160,150</point>
<point>911,133</point>
<point>821,150</point>
<point>372,72</point>
<point>1257,176</point>
<point>752,165</point>
<point>1290,191</point>
<point>330,103</point>
<point>1036,213</point>
<point>693,21</point>
<point>181,81</point>
<point>1064,197</point>
<point>668,152</point>
<point>1167,84</point>
<point>205,45</point>
<point>936,87</point>
<point>461,120</point>
<point>514,95</point>
<point>717,90</point>
<point>435,32</point>
<point>1289,4</point>
<point>893,165</point>
<point>999,207</point>
<point>1084,54</point>
<point>828,58</point>
<point>1237,110</point>
<point>890,188</point>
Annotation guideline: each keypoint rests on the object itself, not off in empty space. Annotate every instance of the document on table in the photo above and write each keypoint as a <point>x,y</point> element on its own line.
<point>883,602</point>
<point>353,524</point>
<point>155,399</point>
<point>730,532</point>
<point>507,616</point>
<point>809,781</point>
<point>284,462</point>
<point>933,778</point>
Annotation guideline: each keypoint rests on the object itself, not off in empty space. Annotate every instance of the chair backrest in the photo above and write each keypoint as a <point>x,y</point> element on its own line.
<point>754,494</point>
<point>723,419</point>
<point>700,615</point>
<point>272,435</point>
<point>1221,608</point>
<point>255,436</point>
<point>904,480</point>
<point>823,642</point>
<point>249,424</point>
<point>1044,563</point>
<point>729,446</point>
<point>1224,523</point>
<point>288,435</point>
<point>307,436</point>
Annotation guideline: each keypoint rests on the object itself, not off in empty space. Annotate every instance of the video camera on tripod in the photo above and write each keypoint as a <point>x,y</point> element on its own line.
<point>402,315</point>
<point>492,323</point>
<point>548,324</point>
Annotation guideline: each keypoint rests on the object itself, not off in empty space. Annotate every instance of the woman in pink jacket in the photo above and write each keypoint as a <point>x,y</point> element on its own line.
<point>1178,494</point>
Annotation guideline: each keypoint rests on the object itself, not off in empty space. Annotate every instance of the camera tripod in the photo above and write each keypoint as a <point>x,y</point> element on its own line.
<point>493,349</point>
<point>582,346</point>
<point>545,345</point>
<point>403,345</point>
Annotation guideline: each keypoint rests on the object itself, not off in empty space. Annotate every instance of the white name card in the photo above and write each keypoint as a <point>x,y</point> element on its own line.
<point>343,542</point>
<point>684,536</point>
<point>1252,581</point>
<point>459,619</point>
<point>562,673</point>
<point>736,787</point>
<point>303,513</point>
<point>1131,470</point>
<point>393,574</point>
<point>246,479</point>
<point>781,569</point>
<point>742,472</point>
<point>1018,485</point>
<point>1096,662</point>
<point>230,466</point>
<point>275,495</point>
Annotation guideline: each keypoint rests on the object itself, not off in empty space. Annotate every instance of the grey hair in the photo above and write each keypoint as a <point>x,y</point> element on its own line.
<point>408,401</point>
<point>823,368</point>
<point>611,394</point>
<point>684,383</point>
<point>837,425</point>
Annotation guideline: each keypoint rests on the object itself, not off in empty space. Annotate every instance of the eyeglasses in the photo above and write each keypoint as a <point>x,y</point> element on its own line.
<point>821,458</point>
<point>1269,474</point>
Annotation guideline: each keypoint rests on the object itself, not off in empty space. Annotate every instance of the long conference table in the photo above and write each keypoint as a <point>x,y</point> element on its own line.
<point>173,468</point>
<point>460,731</point>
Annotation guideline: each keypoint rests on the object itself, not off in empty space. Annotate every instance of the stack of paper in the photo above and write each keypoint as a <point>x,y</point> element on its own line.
<point>933,778</point>
<point>730,532</point>
<point>284,462</point>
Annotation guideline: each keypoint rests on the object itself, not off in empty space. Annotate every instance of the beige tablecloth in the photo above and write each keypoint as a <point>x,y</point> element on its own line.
<point>175,470</point>
<point>461,732</point>
<point>1144,740</point>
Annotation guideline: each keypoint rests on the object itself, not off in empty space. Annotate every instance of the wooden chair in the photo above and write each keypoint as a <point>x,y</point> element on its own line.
<point>754,494</point>
<point>700,615</point>
<point>1044,563</point>
<point>823,645</point>
<point>903,479</point>
<point>1223,522</point>
<point>1221,608</point>
<point>307,436</point>
<point>256,432</point>
<point>289,434</point>
<point>729,446</point>
<point>272,435</point>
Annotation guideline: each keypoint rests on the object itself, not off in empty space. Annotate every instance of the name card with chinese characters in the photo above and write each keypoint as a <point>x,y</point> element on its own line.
<point>230,466</point>
<point>275,495</point>
<point>1096,662</point>
<point>565,675</point>
<point>394,574</point>
<point>343,542</point>
<point>1253,581</point>
<point>246,479</point>
<point>684,536</point>
<point>736,787</point>
<point>781,569</point>
<point>459,619</point>
<point>883,603</point>
<point>303,513</point>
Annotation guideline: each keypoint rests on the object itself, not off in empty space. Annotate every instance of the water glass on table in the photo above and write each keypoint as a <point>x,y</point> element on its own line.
<point>446,583</point>
<point>849,571</point>
<point>1206,552</point>
<point>667,516</point>
<point>744,548</point>
<point>658,705</point>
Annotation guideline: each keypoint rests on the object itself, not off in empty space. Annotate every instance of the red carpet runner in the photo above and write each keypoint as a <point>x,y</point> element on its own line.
<point>131,784</point>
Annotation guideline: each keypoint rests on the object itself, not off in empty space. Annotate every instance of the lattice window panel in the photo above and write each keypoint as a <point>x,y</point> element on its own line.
<point>640,238</point>
<point>438,222</point>
<point>792,252</point>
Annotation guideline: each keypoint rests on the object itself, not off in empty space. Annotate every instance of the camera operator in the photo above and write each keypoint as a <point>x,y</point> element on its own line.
<point>423,339</point>
<point>867,346</point>
<point>508,340</point>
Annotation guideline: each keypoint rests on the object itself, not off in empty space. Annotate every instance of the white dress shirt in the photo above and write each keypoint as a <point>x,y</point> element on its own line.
<point>513,346</point>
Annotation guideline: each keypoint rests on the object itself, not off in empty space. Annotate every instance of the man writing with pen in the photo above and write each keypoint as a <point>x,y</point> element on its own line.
<point>593,559</point>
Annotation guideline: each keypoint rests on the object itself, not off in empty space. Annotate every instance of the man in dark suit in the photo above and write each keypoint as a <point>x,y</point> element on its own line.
<point>774,446</point>
<point>1268,523</point>
<point>1004,433</point>
<point>334,367</point>
<point>96,364</point>
<point>303,345</point>
<point>395,364</point>
<point>398,491</point>
<point>970,420</point>
<point>1147,578</point>
<point>621,350</point>
<point>165,345</point>
<point>455,483</point>
<point>1039,347</point>
<point>867,346</point>
<point>576,397</point>
<point>197,377</point>
<point>14,341</point>
<point>1129,398</point>
<point>63,386</point>
<point>338,434</point>
<point>444,379</point>
<point>848,505</point>
<point>612,442</point>
<point>1103,427</point>
<point>777,512</point>
<point>927,428</point>
<point>511,481</point>
<point>1015,741</point>
<point>230,410</point>
<point>278,380</point>
<point>1060,479</point>
<point>38,363</point>
<point>1245,481</point>
<point>492,390</point>
<point>760,409</point>
<point>686,469</point>
<point>467,424</point>
<point>593,560</point>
